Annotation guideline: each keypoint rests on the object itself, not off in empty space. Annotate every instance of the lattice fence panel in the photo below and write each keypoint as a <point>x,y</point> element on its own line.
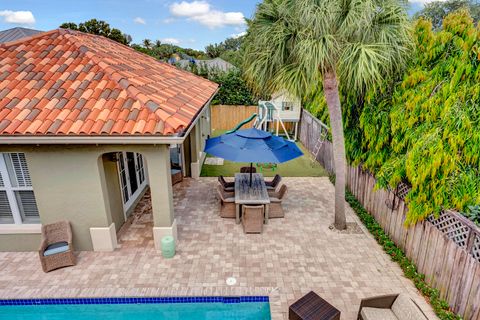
<point>452,227</point>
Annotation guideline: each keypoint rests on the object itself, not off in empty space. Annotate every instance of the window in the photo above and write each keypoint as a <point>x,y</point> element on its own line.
<point>287,106</point>
<point>17,200</point>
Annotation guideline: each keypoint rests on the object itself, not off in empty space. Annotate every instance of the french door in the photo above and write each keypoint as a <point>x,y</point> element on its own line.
<point>133,177</point>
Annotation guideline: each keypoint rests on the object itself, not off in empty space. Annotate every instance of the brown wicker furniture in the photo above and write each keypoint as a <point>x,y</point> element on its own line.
<point>312,307</point>
<point>227,186</point>
<point>252,218</point>
<point>56,236</point>
<point>276,198</point>
<point>248,170</point>
<point>177,176</point>
<point>272,185</point>
<point>227,203</point>
<point>393,306</point>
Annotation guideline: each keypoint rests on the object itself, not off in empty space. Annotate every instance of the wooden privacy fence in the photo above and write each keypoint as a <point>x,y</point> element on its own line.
<point>445,248</point>
<point>227,117</point>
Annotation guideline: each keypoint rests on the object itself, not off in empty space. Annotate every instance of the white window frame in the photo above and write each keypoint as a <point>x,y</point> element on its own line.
<point>10,190</point>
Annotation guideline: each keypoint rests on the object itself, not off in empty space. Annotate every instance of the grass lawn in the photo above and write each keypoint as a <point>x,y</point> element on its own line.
<point>299,167</point>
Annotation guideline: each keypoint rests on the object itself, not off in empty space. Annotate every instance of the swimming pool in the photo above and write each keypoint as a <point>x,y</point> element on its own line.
<point>174,308</point>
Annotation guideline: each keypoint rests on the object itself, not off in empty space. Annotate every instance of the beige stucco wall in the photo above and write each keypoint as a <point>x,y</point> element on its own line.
<point>77,183</point>
<point>70,183</point>
<point>19,242</point>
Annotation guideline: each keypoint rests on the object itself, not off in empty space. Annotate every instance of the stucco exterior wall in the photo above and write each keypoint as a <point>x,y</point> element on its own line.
<point>19,242</point>
<point>70,183</point>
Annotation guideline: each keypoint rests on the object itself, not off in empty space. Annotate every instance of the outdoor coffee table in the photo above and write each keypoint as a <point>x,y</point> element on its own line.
<point>257,194</point>
<point>312,307</point>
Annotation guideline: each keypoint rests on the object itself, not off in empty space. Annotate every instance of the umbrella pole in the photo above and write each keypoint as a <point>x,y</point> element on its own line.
<point>251,170</point>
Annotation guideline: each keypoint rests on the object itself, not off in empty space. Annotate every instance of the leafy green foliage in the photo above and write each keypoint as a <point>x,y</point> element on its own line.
<point>164,51</point>
<point>233,89</point>
<point>423,129</point>
<point>410,271</point>
<point>229,50</point>
<point>473,213</point>
<point>436,11</point>
<point>99,27</point>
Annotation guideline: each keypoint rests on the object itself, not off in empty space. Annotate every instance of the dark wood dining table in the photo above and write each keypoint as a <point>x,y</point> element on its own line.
<point>256,194</point>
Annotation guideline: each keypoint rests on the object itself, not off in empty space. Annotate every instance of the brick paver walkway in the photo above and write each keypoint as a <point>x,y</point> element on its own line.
<point>293,256</point>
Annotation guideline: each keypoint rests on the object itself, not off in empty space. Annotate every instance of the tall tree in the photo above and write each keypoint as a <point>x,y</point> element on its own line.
<point>308,45</point>
<point>99,27</point>
<point>147,43</point>
<point>436,11</point>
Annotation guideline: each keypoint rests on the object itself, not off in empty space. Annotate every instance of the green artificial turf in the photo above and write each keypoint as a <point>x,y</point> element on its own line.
<point>299,167</point>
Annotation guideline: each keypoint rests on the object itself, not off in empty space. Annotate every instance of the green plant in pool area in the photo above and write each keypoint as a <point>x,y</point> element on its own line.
<point>440,306</point>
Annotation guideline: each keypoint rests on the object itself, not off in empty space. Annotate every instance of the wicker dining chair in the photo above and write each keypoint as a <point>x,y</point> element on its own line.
<point>248,169</point>
<point>227,203</point>
<point>276,198</point>
<point>227,186</point>
<point>272,185</point>
<point>56,249</point>
<point>252,218</point>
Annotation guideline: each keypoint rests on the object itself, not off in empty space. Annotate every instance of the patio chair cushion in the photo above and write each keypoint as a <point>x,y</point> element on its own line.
<point>57,247</point>
<point>377,314</point>
<point>405,309</point>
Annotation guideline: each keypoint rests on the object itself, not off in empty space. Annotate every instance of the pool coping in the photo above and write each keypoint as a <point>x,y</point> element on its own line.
<point>134,300</point>
<point>53,293</point>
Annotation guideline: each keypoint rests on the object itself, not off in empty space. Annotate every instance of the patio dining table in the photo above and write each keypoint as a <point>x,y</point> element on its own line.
<point>256,194</point>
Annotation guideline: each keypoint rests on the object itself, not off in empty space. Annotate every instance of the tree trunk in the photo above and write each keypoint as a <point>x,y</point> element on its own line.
<point>330,89</point>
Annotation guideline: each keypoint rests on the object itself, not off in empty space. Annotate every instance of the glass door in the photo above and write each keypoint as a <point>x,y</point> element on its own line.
<point>132,176</point>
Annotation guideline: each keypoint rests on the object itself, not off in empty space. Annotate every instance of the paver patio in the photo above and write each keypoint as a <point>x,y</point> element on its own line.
<point>293,256</point>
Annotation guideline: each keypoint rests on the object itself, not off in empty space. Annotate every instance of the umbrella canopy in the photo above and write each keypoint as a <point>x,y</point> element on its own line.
<point>252,145</point>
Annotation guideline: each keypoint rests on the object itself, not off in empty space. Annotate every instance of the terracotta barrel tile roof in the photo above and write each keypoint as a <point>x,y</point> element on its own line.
<point>64,82</point>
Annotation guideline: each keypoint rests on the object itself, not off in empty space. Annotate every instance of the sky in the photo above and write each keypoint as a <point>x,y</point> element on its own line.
<point>188,23</point>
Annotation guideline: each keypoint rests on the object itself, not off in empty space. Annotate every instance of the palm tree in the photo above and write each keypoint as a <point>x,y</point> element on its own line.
<point>308,45</point>
<point>147,43</point>
<point>158,43</point>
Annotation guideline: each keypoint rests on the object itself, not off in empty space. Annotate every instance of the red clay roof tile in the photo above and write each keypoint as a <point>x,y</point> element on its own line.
<point>68,82</point>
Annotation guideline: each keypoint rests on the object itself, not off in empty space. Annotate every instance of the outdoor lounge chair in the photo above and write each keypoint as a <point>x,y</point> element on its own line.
<point>227,203</point>
<point>56,249</point>
<point>272,185</point>
<point>252,218</point>
<point>276,198</point>
<point>227,186</point>
<point>390,307</point>
<point>248,169</point>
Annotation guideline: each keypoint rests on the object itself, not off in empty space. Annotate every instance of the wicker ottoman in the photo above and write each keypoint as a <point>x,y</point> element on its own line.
<point>312,307</point>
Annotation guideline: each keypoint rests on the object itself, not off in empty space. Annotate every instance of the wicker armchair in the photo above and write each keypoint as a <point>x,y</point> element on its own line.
<point>398,306</point>
<point>227,203</point>
<point>56,249</point>
<point>276,198</point>
<point>272,185</point>
<point>227,186</point>
<point>252,218</point>
<point>248,169</point>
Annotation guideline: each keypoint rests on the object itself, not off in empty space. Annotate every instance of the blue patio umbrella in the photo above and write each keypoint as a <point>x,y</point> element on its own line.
<point>252,145</point>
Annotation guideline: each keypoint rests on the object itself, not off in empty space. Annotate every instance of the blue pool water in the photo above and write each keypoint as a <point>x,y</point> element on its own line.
<point>214,308</point>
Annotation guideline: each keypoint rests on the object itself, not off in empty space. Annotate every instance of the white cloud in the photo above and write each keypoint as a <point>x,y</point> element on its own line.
<point>17,17</point>
<point>189,9</point>
<point>139,20</point>
<point>170,41</point>
<point>201,12</point>
<point>238,35</point>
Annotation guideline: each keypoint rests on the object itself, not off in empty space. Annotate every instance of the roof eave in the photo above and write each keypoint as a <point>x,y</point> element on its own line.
<point>120,139</point>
